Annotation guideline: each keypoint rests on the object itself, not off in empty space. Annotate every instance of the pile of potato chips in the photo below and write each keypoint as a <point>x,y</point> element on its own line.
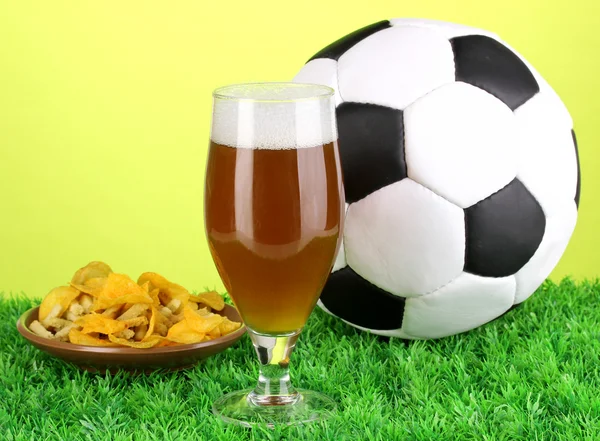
<point>103,308</point>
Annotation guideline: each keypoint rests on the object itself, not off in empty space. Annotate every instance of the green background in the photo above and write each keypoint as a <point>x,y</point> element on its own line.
<point>105,112</point>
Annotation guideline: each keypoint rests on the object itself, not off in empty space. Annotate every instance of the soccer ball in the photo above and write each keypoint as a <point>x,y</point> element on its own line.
<point>461,177</point>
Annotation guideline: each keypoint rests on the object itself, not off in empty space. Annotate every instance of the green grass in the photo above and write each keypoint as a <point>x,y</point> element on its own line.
<point>533,374</point>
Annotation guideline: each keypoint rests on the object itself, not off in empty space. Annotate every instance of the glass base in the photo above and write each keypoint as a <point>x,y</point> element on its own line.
<point>236,408</point>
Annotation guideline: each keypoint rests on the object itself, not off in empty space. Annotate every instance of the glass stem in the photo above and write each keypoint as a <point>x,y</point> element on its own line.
<point>274,387</point>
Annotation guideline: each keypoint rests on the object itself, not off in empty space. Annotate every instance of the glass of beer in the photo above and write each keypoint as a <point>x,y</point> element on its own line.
<point>273,206</point>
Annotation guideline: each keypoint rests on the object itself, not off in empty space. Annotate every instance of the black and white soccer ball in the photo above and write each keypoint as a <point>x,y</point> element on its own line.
<point>461,177</point>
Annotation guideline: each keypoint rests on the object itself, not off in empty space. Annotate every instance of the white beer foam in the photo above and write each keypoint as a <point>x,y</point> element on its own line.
<point>273,120</point>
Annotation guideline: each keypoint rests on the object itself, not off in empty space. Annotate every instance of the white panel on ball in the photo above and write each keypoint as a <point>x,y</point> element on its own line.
<point>395,66</point>
<point>547,164</point>
<point>559,228</point>
<point>460,142</point>
<point>320,71</point>
<point>340,260</point>
<point>405,239</point>
<point>465,303</point>
<point>447,29</point>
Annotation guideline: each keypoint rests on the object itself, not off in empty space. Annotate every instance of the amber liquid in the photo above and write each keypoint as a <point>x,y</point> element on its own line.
<point>273,221</point>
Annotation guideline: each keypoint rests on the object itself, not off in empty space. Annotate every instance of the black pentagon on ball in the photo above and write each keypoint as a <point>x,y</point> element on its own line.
<point>486,63</point>
<point>578,190</point>
<point>349,296</point>
<point>371,143</point>
<point>503,231</point>
<point>336,49</point>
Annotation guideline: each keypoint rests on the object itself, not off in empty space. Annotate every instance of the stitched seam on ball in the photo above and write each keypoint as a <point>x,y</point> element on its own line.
<point>436,29</point>
<point>466,241</point>
<point>424,26</point>
<point>441,85</point>
<point>337,80</point>
<point>531,192</point>
<point>404,143</point>
<point>403,316</point>
<point>453,57</point>
<point>474,84</point>
<point>514,276</point>
<point>430,189</point>
<point>425,94</point>
<point>439,287</point>
<point>499,190</point>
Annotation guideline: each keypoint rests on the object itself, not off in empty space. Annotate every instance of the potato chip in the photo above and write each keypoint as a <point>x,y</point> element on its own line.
<point>96,282</point>
<point>79,338</point>
<point>63,296</point>
<point>228,326</point>
<point>103,308</point>
<point>92,286</point>
<point>176,318</point>
<point>120,289</point>
<point>182,332</point>
<point>152,323</point>
<point>215,333</point>
<point>155,299</point>
<point>151,342</point>
<point>166,342</point>
<point>203,311</point>
<point>173,290</point>
<point>81,288</point>
<point>210,298</point>
<point>145,286</point>
<point>202,324</point>
<point>90,271</point>
<point>155,280</point>
<point>128,298</point>
<point>98,323</point>
<point>163,297</point>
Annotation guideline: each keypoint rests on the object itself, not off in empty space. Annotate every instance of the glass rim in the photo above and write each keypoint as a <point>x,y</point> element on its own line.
<point>244,92</point>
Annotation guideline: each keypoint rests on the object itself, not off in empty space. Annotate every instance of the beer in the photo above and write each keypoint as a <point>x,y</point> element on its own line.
<point>273,214</point>
<point>273,221</point>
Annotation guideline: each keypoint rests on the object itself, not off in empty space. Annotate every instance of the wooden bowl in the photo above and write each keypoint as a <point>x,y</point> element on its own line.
<point>102,359</point>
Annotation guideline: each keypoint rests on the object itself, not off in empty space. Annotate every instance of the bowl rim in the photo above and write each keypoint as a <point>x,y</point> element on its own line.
<point>73,347</point>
